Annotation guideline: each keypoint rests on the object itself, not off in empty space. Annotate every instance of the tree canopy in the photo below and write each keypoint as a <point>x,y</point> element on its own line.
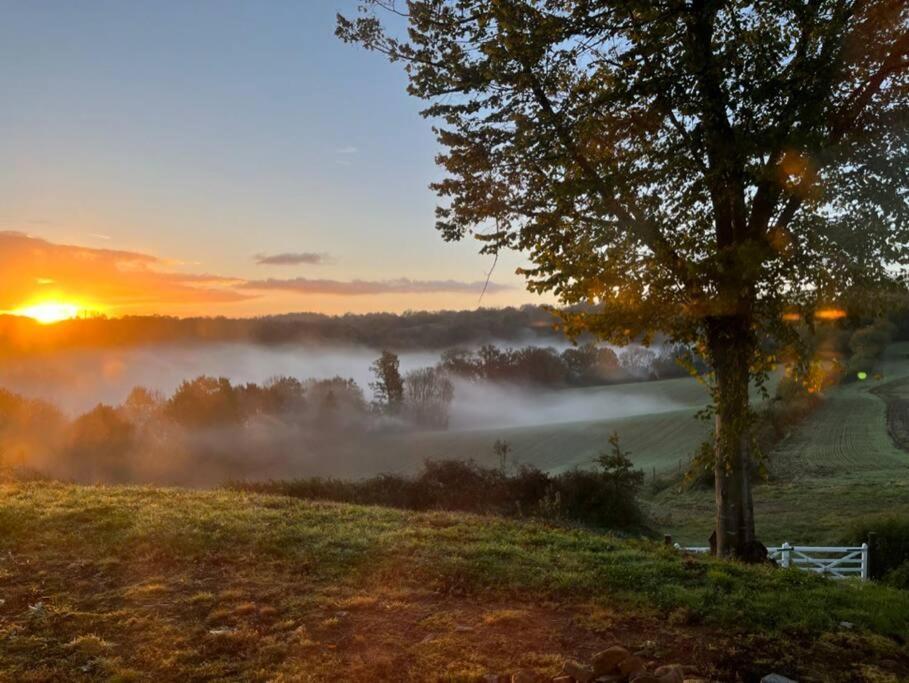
<point>644,153</point>
<point>708,169</point>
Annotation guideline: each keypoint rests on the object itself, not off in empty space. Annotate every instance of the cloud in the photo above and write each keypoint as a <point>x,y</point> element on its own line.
<point>302,285</point>
<point>120,281</point>
<point>347,150</point>
<point>31,266</point>
<point>291,259</point>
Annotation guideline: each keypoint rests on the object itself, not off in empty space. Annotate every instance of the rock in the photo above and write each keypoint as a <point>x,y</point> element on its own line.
<point>607,661</point>
<point>848,625</point>
<point>526,676</point>
<point>631,665</point>
<point>776,678</point>
<point>563,679</point>
<point>645,677</point>
<point>579,672</point>
<point>610,678</point>
<point>671,673</point>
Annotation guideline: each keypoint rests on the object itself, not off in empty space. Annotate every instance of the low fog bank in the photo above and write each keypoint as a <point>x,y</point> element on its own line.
<point>287,411</point>
<point>483,405</point>
<point>76,381</point>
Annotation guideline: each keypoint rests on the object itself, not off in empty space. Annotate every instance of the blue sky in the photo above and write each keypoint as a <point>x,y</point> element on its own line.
<point>203,133</point>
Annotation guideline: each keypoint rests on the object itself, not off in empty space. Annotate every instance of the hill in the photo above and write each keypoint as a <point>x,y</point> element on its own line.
<point>841,464</point>
<point>139,583</point>
<point>658,440</point>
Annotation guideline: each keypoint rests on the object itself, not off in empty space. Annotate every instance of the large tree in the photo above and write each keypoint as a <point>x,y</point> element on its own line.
<point>696,168</point>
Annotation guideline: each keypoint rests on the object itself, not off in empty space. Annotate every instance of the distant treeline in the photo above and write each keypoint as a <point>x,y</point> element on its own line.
<point>584,365</point>
<point>407,331</point>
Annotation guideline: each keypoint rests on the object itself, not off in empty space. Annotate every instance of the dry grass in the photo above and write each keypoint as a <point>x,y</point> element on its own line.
<point>138,584</point>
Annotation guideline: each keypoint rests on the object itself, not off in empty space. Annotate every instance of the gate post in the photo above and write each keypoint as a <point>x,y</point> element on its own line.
<point>864,561</point>
<point>785,551</point>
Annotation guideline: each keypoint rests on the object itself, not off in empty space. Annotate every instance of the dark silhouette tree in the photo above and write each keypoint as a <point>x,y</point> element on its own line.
<point>695,168</point>
<point>205,402</point>
<point>388,389</point>
<point>99,444</point>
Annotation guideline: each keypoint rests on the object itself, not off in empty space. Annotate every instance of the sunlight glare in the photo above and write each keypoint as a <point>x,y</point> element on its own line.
<point>48,312</point>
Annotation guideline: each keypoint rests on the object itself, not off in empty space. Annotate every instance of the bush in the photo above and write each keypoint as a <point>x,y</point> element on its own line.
<point>890,549</point>
<point>602,498</point>
<point>899,577</point>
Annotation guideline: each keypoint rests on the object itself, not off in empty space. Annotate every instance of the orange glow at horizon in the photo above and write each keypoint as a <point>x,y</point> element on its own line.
<point>52,311</point>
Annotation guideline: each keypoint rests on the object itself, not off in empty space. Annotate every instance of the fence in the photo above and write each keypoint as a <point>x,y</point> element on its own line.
<point>836,562</point>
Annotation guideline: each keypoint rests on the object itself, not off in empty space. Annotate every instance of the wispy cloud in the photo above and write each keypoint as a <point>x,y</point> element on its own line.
<point>347,150</point>
<point>291,258</point>
<point>122,281</point>
<point>30,266</point>
<point>402,285</point>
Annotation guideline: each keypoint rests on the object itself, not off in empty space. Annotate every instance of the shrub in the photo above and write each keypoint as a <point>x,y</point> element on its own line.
<point>899,577</point>
<point>890,547</point>
<point>602,498</point>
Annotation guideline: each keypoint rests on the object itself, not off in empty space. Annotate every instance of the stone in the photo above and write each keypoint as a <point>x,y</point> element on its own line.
<point>610,678</point>
<point>607,661</point>
<point>526,676</point>
<point>631,665</point>
<point>563,679</point>
<point>579,672</point>
<point>645,677</point>
<point>670,673</point>
<point>776,678</point>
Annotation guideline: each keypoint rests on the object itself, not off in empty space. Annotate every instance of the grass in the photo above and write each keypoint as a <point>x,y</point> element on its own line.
<point>660,440</point>
<point>130,583</point>
<point>839,465</point>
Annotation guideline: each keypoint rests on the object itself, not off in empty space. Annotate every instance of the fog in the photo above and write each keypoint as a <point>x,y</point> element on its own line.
<point>76,381</point>
<point>206,432</point>
<point>482,405</point>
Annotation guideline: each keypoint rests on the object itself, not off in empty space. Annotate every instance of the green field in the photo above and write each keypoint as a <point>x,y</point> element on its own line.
<point>135,584</point>
<point>661,441</point>
<point>840,464</point>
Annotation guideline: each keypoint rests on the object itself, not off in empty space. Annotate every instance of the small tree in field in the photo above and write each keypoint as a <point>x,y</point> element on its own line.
<point>696,168</point>
<point>388,389</point>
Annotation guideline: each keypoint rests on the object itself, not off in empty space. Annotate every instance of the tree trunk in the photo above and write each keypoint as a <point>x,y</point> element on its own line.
<point>732,348</point>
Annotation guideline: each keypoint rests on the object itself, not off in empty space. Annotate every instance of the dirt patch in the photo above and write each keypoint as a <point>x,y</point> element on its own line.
<point>896,395</point>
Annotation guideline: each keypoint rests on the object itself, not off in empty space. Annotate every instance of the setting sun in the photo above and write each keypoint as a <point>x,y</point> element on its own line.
<point>48,312</point>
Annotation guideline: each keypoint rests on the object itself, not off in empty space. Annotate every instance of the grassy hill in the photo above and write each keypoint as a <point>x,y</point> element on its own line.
<point>658,440</point>
<point>140,583</point>
<point>840,464</point>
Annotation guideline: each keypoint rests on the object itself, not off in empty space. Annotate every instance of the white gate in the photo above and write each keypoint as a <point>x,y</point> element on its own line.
<point>837,562</point>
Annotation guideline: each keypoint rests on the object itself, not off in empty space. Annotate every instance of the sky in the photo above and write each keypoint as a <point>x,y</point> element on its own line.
<point>218,157</point>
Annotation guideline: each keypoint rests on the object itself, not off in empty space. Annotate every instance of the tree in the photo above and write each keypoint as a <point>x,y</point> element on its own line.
<point>695,168</point>
<point>636,361</point>
<point>205,402</point>
<point>388,389</point>
<point>429,395</point>
<point>99,445</point>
